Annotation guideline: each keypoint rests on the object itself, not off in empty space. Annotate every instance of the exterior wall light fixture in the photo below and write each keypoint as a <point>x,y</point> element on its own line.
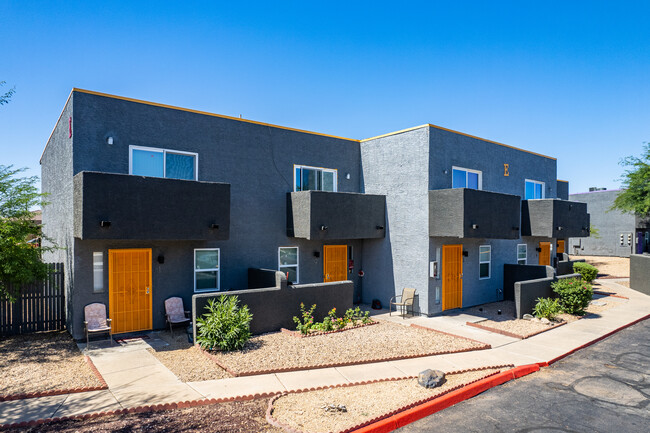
<point>380,227</point>
<point>109,140</point>
<point>323,228</point>
<point>214,226</point>
<point>474,226</point>
<point>104,223</point>
<point>347,176</point>
<point>465,253</point>
<point>515,228</point>
<point>559,227</point>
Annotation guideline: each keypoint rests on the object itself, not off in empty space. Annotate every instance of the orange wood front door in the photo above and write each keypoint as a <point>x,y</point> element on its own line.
<point>545,253</point>
<point>129,289</point>
<point>452,276</point>
<point>560,246</point>
<point>335,265</point>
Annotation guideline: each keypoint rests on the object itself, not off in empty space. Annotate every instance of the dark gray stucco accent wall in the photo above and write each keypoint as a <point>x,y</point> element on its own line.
<point>611,224</point>
<point>397,166</point>
<point>554,218</point>
<point>455,213</point>
<point>640,273</point>
<point>274,308</point>
<point>261,278</point>
<point>566,267</point>
<point>515,273</point>
<point>149,208</point>
<point>336,215</point>
<point>562,190</point>
<point>527,293</point>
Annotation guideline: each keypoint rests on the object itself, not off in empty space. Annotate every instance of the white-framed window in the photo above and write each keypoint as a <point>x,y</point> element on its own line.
<point>307,178</point>
<point>484,261</point>
<point>288,263</point>
<point>466,178</point>
<point>172,164</point>
<point>534,190</point>
<point>98,272</point>
<point>206,269</point>
<point>522,254</point>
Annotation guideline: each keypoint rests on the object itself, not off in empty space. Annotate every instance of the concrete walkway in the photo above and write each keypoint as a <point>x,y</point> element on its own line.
<point>137,378</point>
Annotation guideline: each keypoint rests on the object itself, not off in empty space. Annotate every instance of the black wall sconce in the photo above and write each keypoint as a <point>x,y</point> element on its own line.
<point>323,228</point>
<point>559,228</point>
<point>515,228</point>
<point>474,226</point>
<point>161,259</point>
<point>214,226</point>
<point>316,253</point>
<point>539,250</point>
<point>380,227</point>
<point>104,223</point>
<point>465,253</point>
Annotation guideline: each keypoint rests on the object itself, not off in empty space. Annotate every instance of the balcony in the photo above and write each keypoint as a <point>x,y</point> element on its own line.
<point>119,206</point>
<point>471,213</point>
<point>552,218</point>
<point>326,215</point>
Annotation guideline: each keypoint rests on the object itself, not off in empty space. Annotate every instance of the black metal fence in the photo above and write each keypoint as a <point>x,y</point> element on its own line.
<point>40,307</point>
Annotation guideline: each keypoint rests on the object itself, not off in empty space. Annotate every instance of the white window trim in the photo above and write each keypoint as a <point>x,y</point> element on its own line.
<point>321,169</point>
<point>525,258</point>
<point>536,182</point>
<point>488,262</point>
<point>218,269</point>
<point>467,170</point>
<point>164,152</point>
<point>297,265</point>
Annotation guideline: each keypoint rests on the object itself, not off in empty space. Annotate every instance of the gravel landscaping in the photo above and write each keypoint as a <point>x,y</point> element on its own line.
<point>612,267</point>
<point>279,350</point>
<point>185,360</point>
<point>41,362</point>
<point>233,417</point>
<point>305,411</point>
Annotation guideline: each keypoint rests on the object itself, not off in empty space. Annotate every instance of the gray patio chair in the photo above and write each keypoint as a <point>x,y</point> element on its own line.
<point>175,313</point>
<point>95,321</point>
<point>406,300</point>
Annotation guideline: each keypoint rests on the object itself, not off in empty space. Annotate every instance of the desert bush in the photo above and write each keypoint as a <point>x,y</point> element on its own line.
<point>574,294</point>
<point>305,322</point>
<point>587,271</point>
<point>225,326</point>
<point>547,308</point>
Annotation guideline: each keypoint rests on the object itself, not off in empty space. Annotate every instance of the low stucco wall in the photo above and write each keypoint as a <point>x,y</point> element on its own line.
<point>274,307</point>
<point>527,293</point>
<point>640,273</point>
<point>566,267</point>
<point>261,278</point>
<point>515,273</point>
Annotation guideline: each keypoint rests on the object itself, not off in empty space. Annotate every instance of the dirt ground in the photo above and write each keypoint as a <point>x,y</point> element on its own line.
<point>232,417</point>
<point>618,267</point>
<point>44,361</point>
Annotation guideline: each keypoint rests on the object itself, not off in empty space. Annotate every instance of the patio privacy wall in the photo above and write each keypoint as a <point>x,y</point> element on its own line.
<point>527,293</point>
<point>514,273</point>
<point>274,307</point>
<point>640,272</point>
<point>566,267</point>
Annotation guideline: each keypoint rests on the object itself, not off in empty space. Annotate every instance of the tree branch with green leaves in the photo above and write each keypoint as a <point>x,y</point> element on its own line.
<point>635,198</point>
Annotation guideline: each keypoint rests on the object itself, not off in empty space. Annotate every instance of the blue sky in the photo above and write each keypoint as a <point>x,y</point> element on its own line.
<point>566,79</point>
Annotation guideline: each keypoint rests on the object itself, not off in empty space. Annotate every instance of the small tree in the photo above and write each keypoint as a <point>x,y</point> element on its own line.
<point>635,198</point>
<point>20,261</point>
<point>5,97</point>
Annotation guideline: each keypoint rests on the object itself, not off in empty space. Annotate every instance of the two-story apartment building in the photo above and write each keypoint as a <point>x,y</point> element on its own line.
<point>150,201</point>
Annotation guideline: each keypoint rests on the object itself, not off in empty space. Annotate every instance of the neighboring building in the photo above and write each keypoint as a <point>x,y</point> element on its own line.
<point>619,234</point>
<point>151,201</point>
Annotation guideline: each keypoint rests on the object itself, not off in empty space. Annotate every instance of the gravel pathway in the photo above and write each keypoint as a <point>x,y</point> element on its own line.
<point>186,360</point>
<point>44,361</point>
<point>304,411</point>
<point>280,350</point>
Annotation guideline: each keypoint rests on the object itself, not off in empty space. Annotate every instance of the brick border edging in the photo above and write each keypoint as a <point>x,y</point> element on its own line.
<point>336,364</point>
<point>316,334</point>
<point>37,394</point>
<point>512,334</point>
<point>275,422</point>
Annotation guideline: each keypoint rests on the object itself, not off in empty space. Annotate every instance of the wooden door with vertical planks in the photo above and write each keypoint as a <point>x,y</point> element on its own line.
<point>452,276</point>
<point>129,288</point>
<point>335,265</point>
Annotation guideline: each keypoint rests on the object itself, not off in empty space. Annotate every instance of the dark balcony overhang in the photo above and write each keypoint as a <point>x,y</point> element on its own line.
<point>119,206</point>
<point>335,215</point>
<point>471,213</point>
<point>553,218</point>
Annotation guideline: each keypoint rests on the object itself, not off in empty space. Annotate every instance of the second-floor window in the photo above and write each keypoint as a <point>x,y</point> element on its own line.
<point>314,178</point>
<point>466,178</point>
<point>154,162</point>
<point>534,189</point>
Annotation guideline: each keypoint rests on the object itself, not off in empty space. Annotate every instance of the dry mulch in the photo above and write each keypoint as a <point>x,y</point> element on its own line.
<point>618,267</point>
<point>185,360</point>
<point>279,350</point>
<point>304,411</point>
<point>231,417</point>
<point>40,362</point>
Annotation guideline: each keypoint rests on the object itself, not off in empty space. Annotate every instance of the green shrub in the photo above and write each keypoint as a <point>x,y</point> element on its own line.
<point>547,307</point>
<point>587,271</point>
<point>305,323</point>
<point>226,326</point>
<point>574,294</point>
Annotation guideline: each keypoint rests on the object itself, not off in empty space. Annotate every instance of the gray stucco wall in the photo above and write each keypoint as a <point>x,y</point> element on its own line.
<point>513,273</point>
<point>527,293</point>
<point>562,190</point>
<point>396,166</point>
<point>609,223</point>
<point>640,273</point>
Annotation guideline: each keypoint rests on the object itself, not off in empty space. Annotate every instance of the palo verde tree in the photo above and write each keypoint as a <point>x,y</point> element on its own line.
<point>20,260</point>
<point>635,198</point>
